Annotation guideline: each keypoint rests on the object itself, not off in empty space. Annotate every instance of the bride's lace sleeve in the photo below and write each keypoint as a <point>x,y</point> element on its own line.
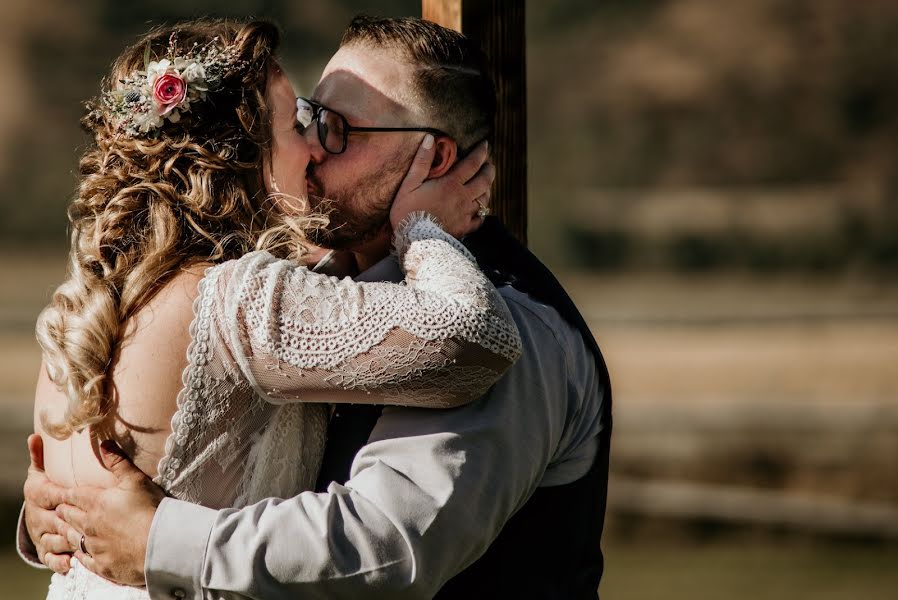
<point>441,339</point>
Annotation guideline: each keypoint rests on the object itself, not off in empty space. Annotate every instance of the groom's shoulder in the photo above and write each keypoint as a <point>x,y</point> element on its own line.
<point>537,320</point>
<point>520,300</point>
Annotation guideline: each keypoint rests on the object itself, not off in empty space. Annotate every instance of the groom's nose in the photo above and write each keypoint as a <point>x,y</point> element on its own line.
<point>316,152</point>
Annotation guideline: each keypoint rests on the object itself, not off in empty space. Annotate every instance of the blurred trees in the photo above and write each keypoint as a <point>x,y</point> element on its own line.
<point>697,91</point>
<point>640,95</point>
<point>697,97</point>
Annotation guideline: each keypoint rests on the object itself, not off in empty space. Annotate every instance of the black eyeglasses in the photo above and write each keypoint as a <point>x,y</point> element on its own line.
<point>334,129</point>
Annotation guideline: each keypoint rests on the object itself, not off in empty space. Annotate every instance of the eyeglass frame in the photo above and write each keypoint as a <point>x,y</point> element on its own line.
<point>317,107</point>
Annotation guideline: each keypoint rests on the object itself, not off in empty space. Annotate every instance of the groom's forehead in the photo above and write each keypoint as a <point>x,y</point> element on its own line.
<point>359,80</point>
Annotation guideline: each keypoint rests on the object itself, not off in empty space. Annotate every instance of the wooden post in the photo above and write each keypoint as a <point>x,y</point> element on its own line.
<point>498,26</point>
<point>443,12</point>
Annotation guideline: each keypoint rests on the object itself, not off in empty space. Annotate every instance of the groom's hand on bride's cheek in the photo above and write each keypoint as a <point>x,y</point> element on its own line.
<point>115,521</point>
<point>43,525</point>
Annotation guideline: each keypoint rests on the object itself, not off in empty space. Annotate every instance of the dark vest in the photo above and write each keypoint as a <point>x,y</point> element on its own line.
<point>550,548</point>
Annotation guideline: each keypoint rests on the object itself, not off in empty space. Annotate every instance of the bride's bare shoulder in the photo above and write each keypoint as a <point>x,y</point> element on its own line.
<point>147,375</point>
<point>146,380</point>
<point>154,349</point>
<point>180,289</point>
<point>166,317</point>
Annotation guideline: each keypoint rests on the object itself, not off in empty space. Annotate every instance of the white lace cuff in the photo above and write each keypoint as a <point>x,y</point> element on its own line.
<point>421,225</point>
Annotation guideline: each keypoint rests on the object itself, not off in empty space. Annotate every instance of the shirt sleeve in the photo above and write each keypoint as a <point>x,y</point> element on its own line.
<point>427,495</point>
<point>24,546</point>
<point>440,339</point>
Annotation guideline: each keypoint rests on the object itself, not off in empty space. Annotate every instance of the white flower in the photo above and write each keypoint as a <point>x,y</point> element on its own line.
<point>195,92</point>
<point>145,121</point>
<point>194,72</point>
<point>156,69</point>
<point>142,108</point>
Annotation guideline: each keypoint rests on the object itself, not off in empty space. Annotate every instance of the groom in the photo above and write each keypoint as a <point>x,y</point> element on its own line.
<point>502,497</point>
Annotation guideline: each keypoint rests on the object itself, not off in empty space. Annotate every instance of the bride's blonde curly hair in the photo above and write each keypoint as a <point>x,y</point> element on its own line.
<point>148,206</point>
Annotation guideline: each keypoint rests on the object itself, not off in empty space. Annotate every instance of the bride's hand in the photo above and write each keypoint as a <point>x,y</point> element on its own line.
<point>457,199</point>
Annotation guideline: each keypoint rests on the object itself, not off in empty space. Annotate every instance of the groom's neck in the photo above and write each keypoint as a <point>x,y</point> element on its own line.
<point>372,251</point>
<point>365,261</point>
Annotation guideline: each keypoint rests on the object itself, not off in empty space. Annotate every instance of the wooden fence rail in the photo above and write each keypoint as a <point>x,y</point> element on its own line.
<point>747,506</point>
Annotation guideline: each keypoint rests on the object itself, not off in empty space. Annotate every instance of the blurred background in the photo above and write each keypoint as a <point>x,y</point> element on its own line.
<point>717,185</point>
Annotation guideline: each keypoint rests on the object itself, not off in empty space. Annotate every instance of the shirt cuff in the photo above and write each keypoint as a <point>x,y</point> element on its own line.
<point>387,269</point>
<point>24,545</point>
<point>326,261</point>
<point>176,549</point>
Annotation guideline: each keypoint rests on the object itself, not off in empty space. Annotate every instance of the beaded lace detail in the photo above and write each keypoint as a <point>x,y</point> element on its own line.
<point>272,344</point>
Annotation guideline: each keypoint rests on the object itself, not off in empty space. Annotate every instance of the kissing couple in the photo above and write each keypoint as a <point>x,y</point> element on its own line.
<point>294,356</point>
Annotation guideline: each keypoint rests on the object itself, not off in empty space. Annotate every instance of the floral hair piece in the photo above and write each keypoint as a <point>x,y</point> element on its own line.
<point>142,102</point>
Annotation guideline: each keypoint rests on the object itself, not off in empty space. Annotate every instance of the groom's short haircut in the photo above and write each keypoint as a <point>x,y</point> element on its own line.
<point>453,82</point>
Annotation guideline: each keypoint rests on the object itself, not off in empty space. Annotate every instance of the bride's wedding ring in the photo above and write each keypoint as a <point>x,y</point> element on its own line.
<point>483,211</point>
<point>83,549</point>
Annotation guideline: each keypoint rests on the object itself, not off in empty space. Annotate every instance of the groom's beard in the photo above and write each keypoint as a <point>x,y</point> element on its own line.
<point>356,215</point>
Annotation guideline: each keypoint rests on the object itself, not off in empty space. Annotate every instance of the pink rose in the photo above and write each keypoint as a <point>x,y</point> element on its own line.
<point>168,92</point>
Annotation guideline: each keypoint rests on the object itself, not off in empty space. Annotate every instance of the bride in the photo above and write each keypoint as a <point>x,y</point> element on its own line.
<point>214,366</point>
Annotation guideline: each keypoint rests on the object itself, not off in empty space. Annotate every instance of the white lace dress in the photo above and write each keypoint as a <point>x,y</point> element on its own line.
<point>274,343</point>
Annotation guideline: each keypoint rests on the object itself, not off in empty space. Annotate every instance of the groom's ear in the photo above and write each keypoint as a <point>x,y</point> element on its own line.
<point>445,155</point>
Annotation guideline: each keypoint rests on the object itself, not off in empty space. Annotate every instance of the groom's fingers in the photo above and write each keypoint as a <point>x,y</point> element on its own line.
<point>92,545</point>
<point>120,464</point>
<point>55,544</point>
<point>471,164</point>
<point>82,497</point>
<point>73,537</point>
<point>76,523</point>
<point>42,492</point>
<point>88,561</point>
<point>60,563</point>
